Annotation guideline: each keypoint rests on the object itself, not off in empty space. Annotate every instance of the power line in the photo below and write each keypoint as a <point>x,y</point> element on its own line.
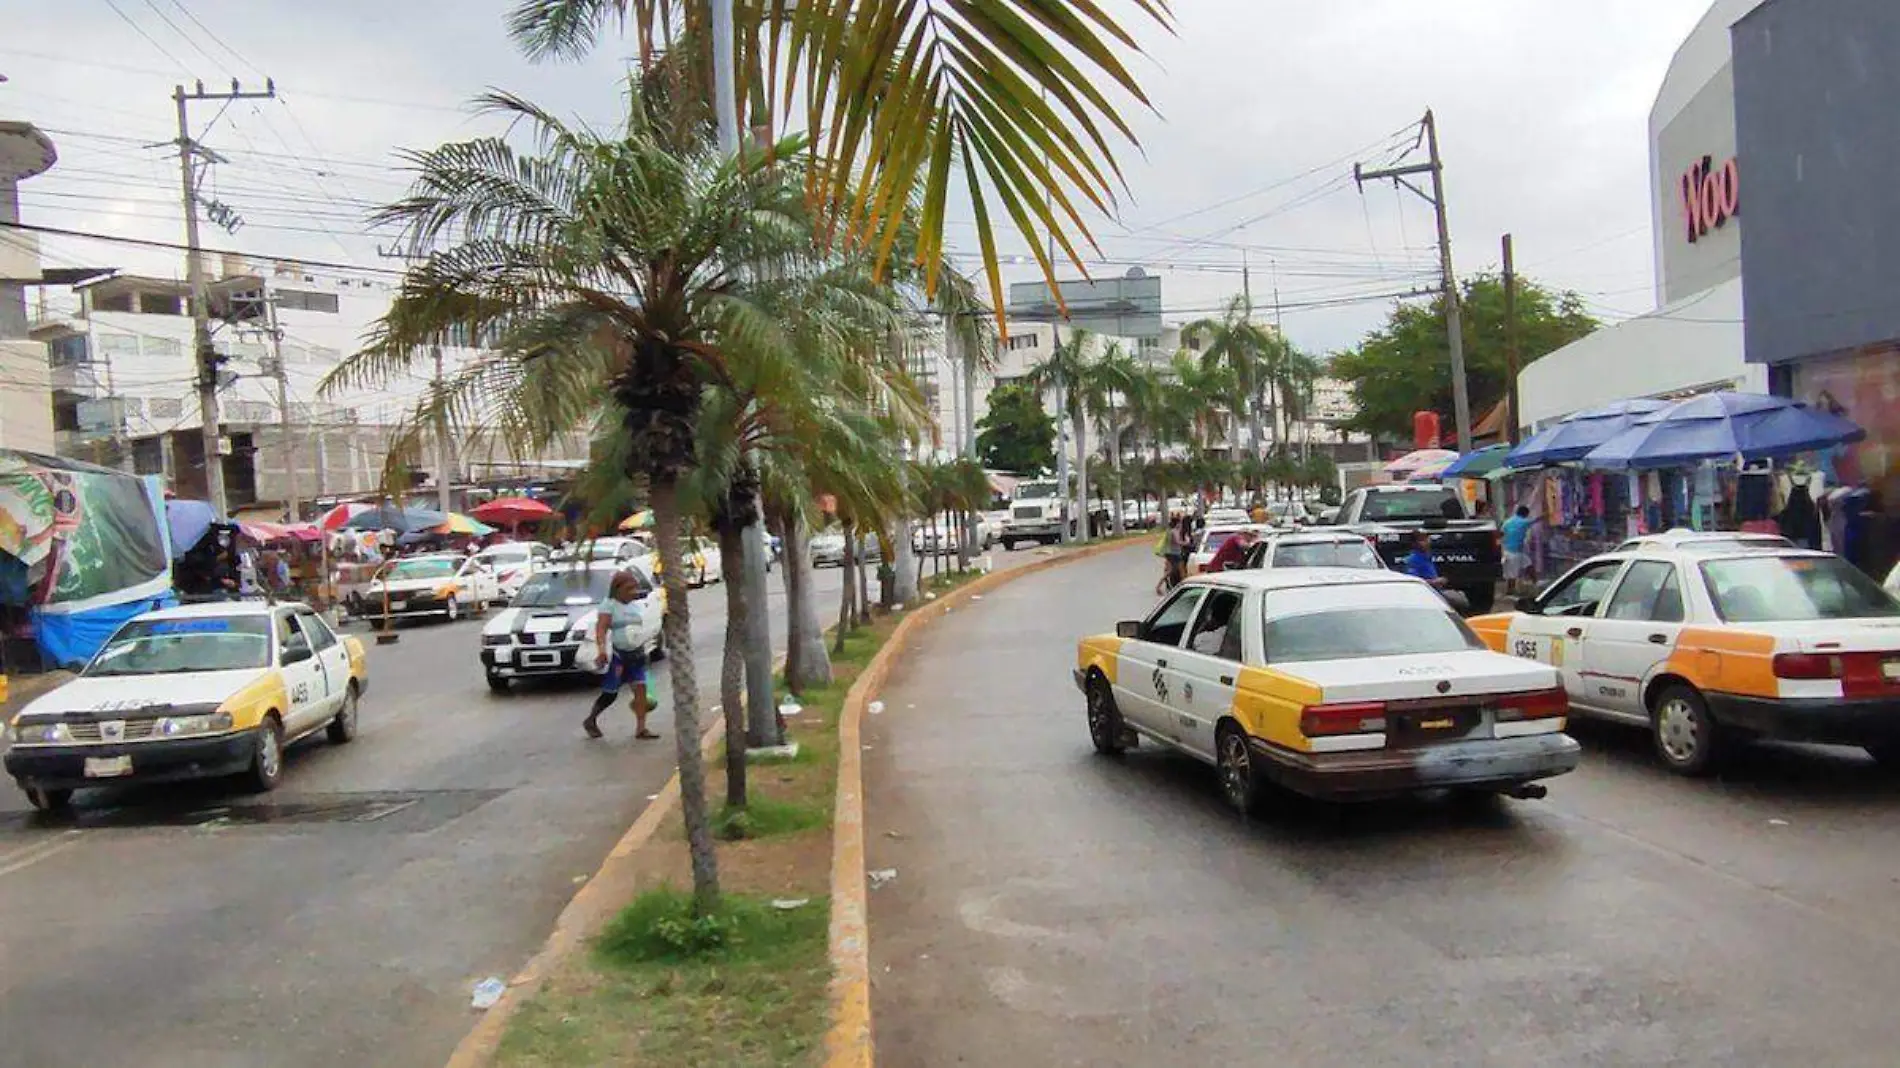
<point>140,30</point>
<point>179,4</point>
<point>174,246</point>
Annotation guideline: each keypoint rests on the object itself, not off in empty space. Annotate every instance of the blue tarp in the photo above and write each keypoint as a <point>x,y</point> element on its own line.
<point>1723,426</point>
<point>187,521</point>
<point>1574,436</point>
<point>68,639</point>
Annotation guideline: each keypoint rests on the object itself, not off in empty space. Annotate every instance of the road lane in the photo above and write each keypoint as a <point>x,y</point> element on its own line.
<point>342,918</point>
<point>1056,907</point>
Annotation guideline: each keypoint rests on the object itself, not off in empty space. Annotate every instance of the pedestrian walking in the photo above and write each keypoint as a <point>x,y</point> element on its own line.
<point>618,626</point>
<point>1515,535</point>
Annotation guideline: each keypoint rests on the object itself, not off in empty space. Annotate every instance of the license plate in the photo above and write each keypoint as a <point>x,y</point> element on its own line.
<point>1890,669</point>
<point>108,767</point>
<point>540,659</point>
<point>397,606</point>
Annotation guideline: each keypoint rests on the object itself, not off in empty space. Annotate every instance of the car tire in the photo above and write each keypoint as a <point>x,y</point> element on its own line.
<point>1009,545</point>
<point>497,683</point>
<point>267,763</point>
<point>1106,728</point>
<point>1481,598</point>
<point>48,799</point>
<point>1241,782</point>
<point>342,728</point>
<point>453,612</point>
<point>1687,739</point>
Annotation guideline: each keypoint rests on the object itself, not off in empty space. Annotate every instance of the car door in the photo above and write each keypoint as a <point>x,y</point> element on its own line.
<point>1556,633</point>
<point>1204,671</point>
<point>477,581</point>
<point>1636,631</point>
<point>304,683</point>
<point>1141,673</point>
<point>332,658</point>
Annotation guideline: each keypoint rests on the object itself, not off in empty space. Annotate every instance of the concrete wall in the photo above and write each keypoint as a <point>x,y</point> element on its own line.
<point>1816,85</point>
<point>26,417</point>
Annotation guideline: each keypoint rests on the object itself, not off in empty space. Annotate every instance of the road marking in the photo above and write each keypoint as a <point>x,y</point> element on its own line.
<point>27,856</point>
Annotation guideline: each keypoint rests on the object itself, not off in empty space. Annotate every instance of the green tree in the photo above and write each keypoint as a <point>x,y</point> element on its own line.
<point>1405,366</point>
<point>1016,434</point>
<point>1250,353</point>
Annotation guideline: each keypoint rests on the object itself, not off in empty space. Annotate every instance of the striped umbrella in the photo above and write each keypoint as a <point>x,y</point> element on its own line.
<point>457,523</point>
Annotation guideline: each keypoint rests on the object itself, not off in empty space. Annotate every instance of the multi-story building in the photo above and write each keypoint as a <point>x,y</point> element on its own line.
<point>25,416</point>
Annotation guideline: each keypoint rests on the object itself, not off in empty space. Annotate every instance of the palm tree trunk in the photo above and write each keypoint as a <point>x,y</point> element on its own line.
<point>848,589</point>
<point>1115,465</point>
<point>864,583</point>
<point>807,663</point>
<point>732,666</point>
<point>1080,423</point>
<point>904,568</point>
<point>663,498</point>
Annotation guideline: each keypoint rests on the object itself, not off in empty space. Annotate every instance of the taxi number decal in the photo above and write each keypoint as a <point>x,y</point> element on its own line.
<point>1525,648</point>
<point>300,693</point>
<point>1437,724</point>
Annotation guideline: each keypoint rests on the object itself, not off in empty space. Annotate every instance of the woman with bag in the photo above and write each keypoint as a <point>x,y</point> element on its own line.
<point>619,624</point>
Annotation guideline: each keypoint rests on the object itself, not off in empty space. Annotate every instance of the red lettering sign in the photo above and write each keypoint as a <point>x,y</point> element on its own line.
<point>1711,196</point>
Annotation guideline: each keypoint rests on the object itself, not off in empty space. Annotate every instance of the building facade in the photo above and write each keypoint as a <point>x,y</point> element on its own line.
<point>26,421</point>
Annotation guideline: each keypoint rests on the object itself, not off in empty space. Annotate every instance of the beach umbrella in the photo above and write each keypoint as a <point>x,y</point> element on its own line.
<point>1572,437</point>
<point>261,532</point>
<point>1432,470</point>
<point>390,517</point>
<point>1479,463</point>
<point>1723,426</point>
<point>457,523</point>
<point>335,518</point>
<point>1409,464</point>
<point>639,520</point>
<point>511,511</point>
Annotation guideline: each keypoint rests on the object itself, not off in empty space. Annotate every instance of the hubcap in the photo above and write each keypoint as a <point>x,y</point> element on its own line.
<point>1098,714</point>
<point>1676,730</point>
<point>269,754</point>
<point>1235,768</point>
<point>349,712</point>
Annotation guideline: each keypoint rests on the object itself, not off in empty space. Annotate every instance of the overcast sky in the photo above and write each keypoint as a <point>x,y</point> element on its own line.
<point>1261,107</point>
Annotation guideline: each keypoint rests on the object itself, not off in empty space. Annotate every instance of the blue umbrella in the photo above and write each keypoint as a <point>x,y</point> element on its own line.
<point>1574,436</point>
<point>187,522</point>
<point>1724,426</point>
<point>1477,463</point>
<point>390,517</point>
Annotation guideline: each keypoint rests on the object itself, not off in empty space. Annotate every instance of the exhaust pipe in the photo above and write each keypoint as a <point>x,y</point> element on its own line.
<point>1528,791</point>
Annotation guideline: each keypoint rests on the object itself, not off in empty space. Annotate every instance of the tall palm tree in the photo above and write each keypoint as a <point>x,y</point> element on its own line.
<point>1067,371</point>
<point>1234,341</point>
<point>597,267</point>
<point>1005,101</point>
<point>1112,381</point>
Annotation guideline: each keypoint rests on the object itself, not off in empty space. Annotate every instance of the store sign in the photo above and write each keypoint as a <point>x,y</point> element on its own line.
<point>1711,196</point>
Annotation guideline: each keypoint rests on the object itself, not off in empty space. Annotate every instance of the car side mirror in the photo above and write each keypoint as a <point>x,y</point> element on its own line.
<point>1528,605</point>
<point>1128,628</point>
<point>297,654</point>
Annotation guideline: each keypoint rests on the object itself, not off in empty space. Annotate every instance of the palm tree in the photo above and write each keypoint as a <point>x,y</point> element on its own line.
<point>1111,382</point>
<point>1067,371</point>
<point>902,100</point>
<point>1234,341</point>
<point>597,268</point>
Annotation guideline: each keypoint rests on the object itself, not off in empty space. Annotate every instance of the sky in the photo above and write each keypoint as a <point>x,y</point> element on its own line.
<point>1259,109</point>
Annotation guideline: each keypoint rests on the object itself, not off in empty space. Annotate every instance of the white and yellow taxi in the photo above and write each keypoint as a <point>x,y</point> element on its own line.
<point>196,691</point>
<point>1337,683</point>
<point>1707,642</point>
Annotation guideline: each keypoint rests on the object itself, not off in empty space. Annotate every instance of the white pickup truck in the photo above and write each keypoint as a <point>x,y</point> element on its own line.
<point>1037,513</point>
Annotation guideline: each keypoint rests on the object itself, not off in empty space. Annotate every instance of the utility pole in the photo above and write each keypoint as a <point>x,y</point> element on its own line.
<point>444,475</point>
<point>293,507</point>
<point>1454,318</point>
<point>1510,341</point>
<point>205,357</point>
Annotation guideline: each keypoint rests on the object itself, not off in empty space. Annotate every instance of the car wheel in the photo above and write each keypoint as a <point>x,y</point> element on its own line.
<point>267,763</point>
<point>1687,738</point>
<point>1241,782</point>
<point>46,799</point>
<point>1009,545</point>
<point>343,728</point>
<point>497,683</point>
<point>1105,719</point>
<point>1481,598</point>
<point>454,611</point>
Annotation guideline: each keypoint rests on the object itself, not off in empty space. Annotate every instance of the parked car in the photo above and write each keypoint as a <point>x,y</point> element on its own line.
<point>943,541</point>
<point>1709,540</point>
<point>514,563</point>
<point>541,634</point>
<point>197,691</point>
<point>1213,537</point>
<point>1314,548</point>
<point>1708,648</point>
<point>1337,684</point>
<point>450,585</point>
<point>827,549</point>
<point>1466,551</point>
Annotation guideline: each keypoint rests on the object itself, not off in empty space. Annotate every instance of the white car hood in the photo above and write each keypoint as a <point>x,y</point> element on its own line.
<point>109,692</point>
<point>1418,676</point>
<point>538,620</point>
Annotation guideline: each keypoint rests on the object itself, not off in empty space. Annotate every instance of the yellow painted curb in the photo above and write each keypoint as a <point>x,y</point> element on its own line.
<point>580,920</point>
<point>848,1044</point>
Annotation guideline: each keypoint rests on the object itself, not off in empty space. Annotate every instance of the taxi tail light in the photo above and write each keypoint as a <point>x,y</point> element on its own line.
<point>1808,666</point>
<point>1538,704</point>
<point>1361,717</point>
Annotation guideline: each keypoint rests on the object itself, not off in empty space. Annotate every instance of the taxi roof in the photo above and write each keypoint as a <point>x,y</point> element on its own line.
<point>1703,552</point>
<point>1285,578</point>
<point>203,609</point>
<point>1318,536</point>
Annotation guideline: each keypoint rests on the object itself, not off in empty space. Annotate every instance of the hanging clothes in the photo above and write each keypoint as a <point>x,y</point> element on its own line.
<point>1836,528</point>
<point>1800,520</point>
<point>1753,492</point>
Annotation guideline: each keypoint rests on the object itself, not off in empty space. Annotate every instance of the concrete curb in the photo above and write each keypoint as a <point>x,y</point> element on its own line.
<point>583,917</point>
<point>848,1043</point>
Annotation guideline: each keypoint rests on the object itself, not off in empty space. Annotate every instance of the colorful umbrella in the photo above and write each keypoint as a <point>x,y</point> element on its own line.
<point>339,517</point>
<point>638,520</point>
<point>1409,464</point>
<point>1478,463</point>
<point>457,523</point>
<point>1432,470</point>
<point>390,517</point>
<point>511,511</point>
<point>259,531</point>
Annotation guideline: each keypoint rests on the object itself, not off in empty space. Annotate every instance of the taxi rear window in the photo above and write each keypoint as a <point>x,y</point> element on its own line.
<point>1355,633</point>
<point>1762,589</point>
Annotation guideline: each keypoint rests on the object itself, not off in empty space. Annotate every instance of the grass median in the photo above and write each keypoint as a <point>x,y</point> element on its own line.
<point>746,986</point>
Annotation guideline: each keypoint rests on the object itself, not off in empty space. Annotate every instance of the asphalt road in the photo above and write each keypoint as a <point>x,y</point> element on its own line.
<point>342,919</point>
<point>1054,907</point>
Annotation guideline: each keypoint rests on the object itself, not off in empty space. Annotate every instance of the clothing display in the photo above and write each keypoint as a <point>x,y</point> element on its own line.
<point>1800,519</point>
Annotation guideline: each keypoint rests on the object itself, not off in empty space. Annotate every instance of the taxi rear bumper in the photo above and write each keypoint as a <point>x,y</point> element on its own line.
<point>63,767</point>
<point>1827,720</point>
<point>1496,763</point>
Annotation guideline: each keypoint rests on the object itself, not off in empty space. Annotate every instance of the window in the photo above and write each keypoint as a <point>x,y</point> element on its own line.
<point>66,351</point>
<point>1354,553</point>
<point>161,304</point>
<point>1019,342</point>
<point>167,408</point>
<point>1636,595</point>
<point>1413,504</point>
<point>176,645</point>
<point>112,302</point>
<point>290,637</point>
<point>1764,588</point>
<point>318,630</point>
<point>1352,633</point>
<point>306,300</point>
<point>1217,628</point>
<point>119,344</point>
<point>1170,621</point>
<point>1580,593</point>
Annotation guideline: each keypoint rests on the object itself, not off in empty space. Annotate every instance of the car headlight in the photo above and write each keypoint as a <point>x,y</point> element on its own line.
<point>40,733</point>
<point>497,639</point>
<point>180,726</point>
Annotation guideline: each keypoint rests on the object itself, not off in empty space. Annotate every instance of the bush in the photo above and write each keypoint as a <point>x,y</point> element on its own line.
<point>764,817</point>
<point>659,927</point>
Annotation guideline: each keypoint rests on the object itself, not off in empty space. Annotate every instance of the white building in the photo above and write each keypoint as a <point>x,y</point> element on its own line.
<point>25,416</point>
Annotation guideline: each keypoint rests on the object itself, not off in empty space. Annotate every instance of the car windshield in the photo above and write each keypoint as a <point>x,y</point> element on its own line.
<point>1353,633</point>
<point>1035,492</point>
<point>172,646</point>
<point>422,569</point>
<point>1762,589</point>
<point>506,556</point>
<point>1354,553</point>
<point>1213,542</point>
<point>1413,504</point>
<point>564,589</point>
